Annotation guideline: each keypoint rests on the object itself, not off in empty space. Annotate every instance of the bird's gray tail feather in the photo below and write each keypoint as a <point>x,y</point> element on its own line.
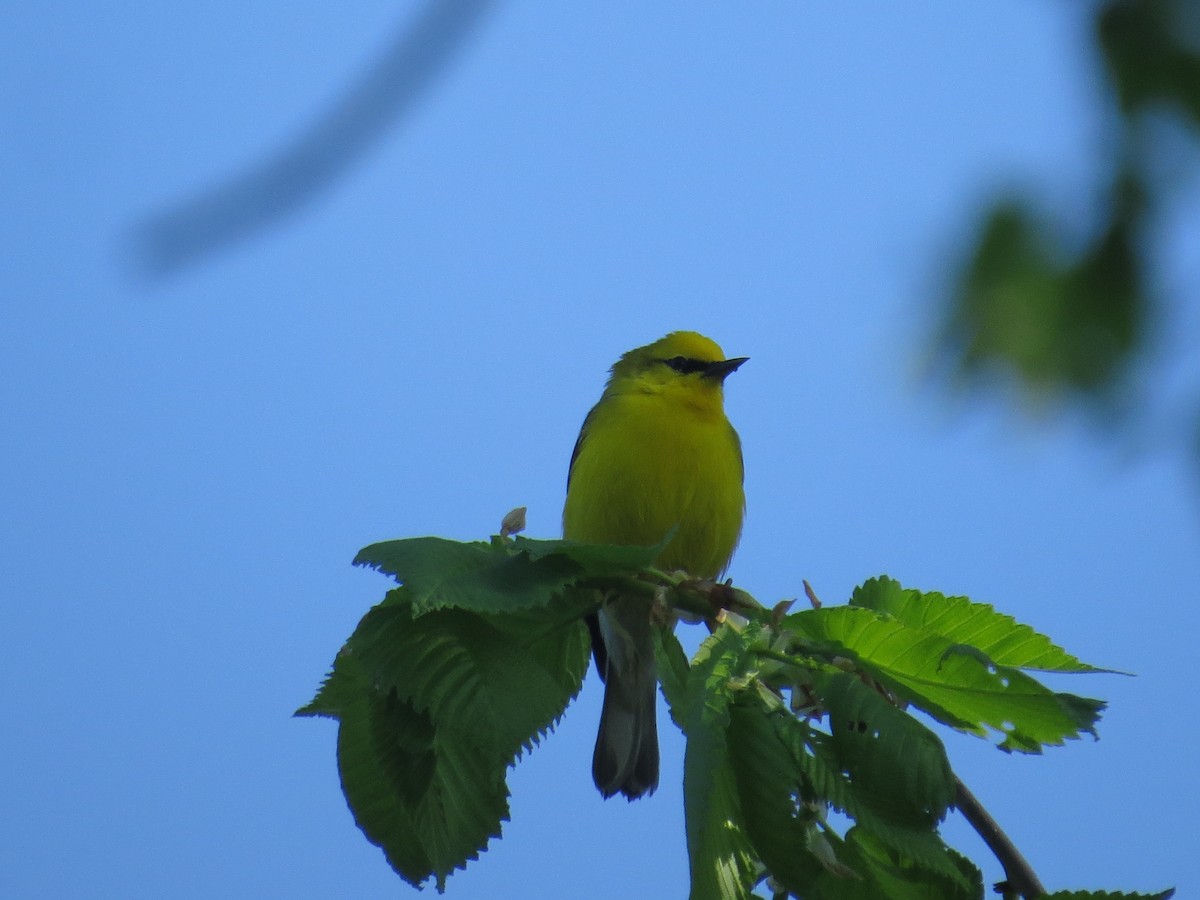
<point>626,757</point>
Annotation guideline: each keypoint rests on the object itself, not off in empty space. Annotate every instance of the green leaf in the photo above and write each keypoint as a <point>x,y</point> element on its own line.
<point>897,878</point>
<point>426,796</point>
<point>719,852</point>
<point>477,576</point>
<point>777,819</point>
<point>782,785</point>
<point>672,672</point>
<point>1002,640</point>
<point>433,709</point>
<point>1107,895</point>
<point>503,678</point>
<point>956,688</point>
<point>880,875</point>
<point>824,777</point>
<point>1149,49</point>
<point>723,658</point>
<point>500,575</point>
<point>367,783</point>
<point>721,859</point>
<point>1028,305</point>
<point>874,740</point>
<point>344,685</point>
<point>596,559</point>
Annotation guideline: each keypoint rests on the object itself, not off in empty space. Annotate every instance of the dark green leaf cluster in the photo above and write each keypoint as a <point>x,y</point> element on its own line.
<point>758,782</point>
<point>448,680</point>
<point>1150,49</point>
<point>1067,312</point>
<point>1027,305</point>
<point>788,718</point>
<point>469,662</point>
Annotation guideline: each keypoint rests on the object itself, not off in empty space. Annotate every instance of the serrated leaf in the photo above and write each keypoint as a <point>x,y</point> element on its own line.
<point>719,852</point>
<point>777,820</point>
<point>503,678</point>
<point>477,576</point>
<point>595,559</point>
<point>824,779</point>
<point>773,776</point>
<point>721,860</point>
<point>343,685</point>
<point>722,657</point>
<point>433,709</point>
<point>427,797</point>
<point>879,877</point>
<point>957,689</point>
<point>874,740</point>
<point>897,878</point>
<point>1003,640</point>
<point>672,672</point>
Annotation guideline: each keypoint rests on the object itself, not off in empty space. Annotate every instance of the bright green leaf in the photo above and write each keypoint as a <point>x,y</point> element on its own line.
<point>672,672</point>
<point>1002,640</point>
<point>719,852</point>
<point>958,689</point>
<point>874,740</point>
<point>823,776</point>
<point>776,817</point>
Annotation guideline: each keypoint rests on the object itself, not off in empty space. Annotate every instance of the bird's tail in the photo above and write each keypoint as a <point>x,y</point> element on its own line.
<point>626,757</point>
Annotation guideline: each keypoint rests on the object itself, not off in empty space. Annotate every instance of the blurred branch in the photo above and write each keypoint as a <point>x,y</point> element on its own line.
<point>227,213</point>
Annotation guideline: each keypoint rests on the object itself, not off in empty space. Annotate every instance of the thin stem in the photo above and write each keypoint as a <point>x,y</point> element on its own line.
<point>1020,875</point>
<point>768,653</point>
<point>674,579</point>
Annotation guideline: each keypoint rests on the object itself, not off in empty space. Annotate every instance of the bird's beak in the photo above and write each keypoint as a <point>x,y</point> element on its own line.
<point>723,369</point>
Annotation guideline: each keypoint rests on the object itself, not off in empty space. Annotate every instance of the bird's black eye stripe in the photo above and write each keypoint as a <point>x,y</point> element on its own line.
<point>686,366</point>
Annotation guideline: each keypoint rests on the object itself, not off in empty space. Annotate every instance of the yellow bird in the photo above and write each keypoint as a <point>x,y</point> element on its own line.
<point>656,453</point>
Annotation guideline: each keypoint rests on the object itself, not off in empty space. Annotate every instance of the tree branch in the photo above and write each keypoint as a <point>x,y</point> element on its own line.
<point>1020,875</point>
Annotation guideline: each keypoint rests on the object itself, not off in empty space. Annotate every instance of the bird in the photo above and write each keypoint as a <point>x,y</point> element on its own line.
<point>655,454</point>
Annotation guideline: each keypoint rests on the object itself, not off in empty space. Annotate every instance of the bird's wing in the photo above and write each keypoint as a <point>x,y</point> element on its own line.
<point>583,432</point>
<point>599,651</point>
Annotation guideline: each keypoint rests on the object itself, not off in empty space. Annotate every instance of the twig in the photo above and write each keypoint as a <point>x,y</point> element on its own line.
<point>1020,876</point>
<point>811,595</point>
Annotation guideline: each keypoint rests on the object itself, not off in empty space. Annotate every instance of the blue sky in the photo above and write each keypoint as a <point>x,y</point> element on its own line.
<point>190,463</point>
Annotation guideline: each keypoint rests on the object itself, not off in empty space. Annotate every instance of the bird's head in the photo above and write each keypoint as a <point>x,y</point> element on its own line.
<point>683,363</point>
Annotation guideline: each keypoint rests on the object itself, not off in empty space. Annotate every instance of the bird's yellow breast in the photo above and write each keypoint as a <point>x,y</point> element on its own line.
<point>650,462</point>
